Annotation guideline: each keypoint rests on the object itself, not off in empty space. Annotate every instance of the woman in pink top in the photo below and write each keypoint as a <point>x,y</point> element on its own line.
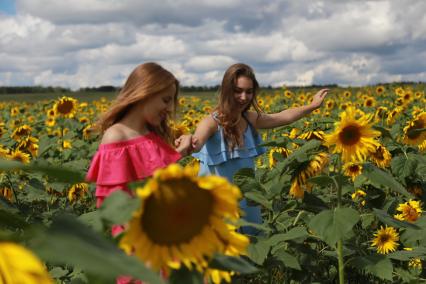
<point>136,138</point>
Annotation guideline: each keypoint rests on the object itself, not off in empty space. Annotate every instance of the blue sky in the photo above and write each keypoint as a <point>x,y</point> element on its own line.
<point>84,43</point>
<point>7,7</point>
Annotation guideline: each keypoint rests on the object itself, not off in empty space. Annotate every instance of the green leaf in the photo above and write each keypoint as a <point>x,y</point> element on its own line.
<point>295,233</point>
<point>258,251</point>
<point>118,207</point>
<point>332,225</point>
<point>378,265</point>
<point>11,218</point>
<point>232,263</point>
<point>380,177</point>
<point>259,198</point>
<point>322,180</point>
<point>184,275</point>
<point>366,220</point>
<point>389,220</point>
<point>384,131</point>
<point>68,242</point>
<point>245,180</point>
<point>58,272</point>
<point>288,259</point>
<point>403,166</point>
<point>406,255</point>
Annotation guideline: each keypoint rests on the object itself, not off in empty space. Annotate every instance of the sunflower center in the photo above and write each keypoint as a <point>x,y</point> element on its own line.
<point>350,135</point>
<point>177,212</point>
<point>65,107</point>
<point>418,124</point>
<point>384,238</point>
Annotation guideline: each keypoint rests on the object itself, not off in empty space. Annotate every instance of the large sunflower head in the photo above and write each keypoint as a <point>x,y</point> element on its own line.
<point>409,211</point>
<point>18,155</point>
<point>381,157</point>
<point>414,131</point>
<point>182,219</point>
<point>19,265</point>
<point>300,180</point>
<point>386,240</point>
<point>66,106</point>
<point>353,138</point>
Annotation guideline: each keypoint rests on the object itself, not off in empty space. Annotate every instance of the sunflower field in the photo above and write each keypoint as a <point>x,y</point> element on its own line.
<point>342,193</point>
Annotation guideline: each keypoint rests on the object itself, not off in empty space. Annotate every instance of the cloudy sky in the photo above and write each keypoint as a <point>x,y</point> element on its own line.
<point>80,43</point>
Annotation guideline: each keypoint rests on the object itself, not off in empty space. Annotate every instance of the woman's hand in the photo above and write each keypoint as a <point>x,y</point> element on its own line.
<point>183,144</point>
<point>319,98</point>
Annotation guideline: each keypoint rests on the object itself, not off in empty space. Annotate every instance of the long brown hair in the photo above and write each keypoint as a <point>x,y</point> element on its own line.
<point>228,117</point>
<point>146,80</point>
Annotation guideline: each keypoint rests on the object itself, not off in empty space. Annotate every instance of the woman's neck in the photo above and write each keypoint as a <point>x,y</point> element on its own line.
<point>135,122</point>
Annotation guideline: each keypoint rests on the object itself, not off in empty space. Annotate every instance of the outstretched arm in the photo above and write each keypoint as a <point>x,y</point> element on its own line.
<point>206,128</point>
<point>289,115</point>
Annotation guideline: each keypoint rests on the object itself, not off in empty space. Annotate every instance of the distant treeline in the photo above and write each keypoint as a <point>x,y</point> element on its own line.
<point>107,88</point>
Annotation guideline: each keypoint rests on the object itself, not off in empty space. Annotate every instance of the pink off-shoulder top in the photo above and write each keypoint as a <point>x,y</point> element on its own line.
<point>118,163</point>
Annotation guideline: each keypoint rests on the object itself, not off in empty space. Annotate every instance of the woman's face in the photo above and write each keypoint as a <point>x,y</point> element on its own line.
<point>243,92</point>
<point>157,108</point>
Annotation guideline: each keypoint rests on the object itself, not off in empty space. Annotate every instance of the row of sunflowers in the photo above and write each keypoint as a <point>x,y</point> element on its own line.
<point>342,196</point>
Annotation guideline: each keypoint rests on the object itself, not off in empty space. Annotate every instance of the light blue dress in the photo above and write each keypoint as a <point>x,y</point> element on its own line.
<point>216,159</point>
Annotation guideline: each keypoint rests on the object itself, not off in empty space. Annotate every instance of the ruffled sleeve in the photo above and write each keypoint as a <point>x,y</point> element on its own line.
<point>215,151</point>
<point>116,164</point>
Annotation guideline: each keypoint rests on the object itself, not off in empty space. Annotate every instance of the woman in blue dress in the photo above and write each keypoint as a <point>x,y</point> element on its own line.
<point>227,140</point>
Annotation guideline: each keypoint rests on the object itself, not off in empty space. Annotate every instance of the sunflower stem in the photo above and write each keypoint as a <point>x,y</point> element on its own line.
<point>13,190</point>
<point>340,241</point>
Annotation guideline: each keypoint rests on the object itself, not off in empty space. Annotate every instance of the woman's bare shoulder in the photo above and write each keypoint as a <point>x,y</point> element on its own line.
<point>115,133</point>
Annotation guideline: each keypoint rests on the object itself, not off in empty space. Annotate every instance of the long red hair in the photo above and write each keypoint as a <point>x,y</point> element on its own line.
<point>146,80</point>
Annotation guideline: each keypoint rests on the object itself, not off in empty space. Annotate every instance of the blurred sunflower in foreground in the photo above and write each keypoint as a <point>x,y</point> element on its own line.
<point>182,220</point>
<point>19,265</point>
<point>386,240</point>
<point>353,138</point>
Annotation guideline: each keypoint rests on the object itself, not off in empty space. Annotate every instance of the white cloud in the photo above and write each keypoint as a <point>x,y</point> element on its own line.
<point>80,43</point>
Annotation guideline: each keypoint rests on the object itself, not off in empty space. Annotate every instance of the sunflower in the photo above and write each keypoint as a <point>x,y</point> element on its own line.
<point>288,94</point>
<point>347,94</point>
<point>353,138</point>
<point>29,144</point>
<point>410,211</point>
<point>6,193</point>
<point>359,195</point>
<point>50,122</point>
<point>393,114</point>
<point>88,131</point>
<point>66,106</point>
<point>4,152</point>
<point>380,90</point>
<point>14,111</point>
<point>386,240</point>
<point>19,265</point>
<point>21,131</point>
<point>415,189</point>
<point>284,152</point>
<point>399,91</point>
<point>329,104</point>
<point>414,131</point>
<point>84,119</point>
<point>310,169</point>
<point>370,102</point>
<point>422,146</point>
<point>381,112</point>
<point>179,128</point>
<point>381,157</point>
<point>182,219</point>
<point>78,191</point>
<point>352,169</point>
<point>66,144</point>
<point>18,155</point>
<point>316,134</point>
